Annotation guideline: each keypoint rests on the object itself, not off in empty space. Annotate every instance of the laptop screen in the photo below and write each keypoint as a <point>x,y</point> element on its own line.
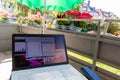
<point>33,50</point>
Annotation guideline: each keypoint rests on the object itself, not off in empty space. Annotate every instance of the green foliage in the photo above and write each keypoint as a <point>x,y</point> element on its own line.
<point>63,22</point>
<point>85,25</point>
<point>67,23</point>
<point>77,8</point>
<point>80,24</point>
<point>30,20</point>
<point>19,19</point>
<point>113,27</point>
<point>23,21</point>
<point>23,10</point>
<point>19,15</point>
<point>38,21</point>
<point>92,26</point>
<point>4,18</point>
<point>60,22</point>
<point>60,15</point>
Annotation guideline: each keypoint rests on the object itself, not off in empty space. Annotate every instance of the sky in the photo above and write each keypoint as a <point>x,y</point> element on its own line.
<point>107,5</point>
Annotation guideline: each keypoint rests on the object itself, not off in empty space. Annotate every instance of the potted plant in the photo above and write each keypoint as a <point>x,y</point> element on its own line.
<point>38,21</point>
<point>92,26</point>
<point>113,27</point>
<point>64,24</point>
<point>4,19</point>
<point>82,25</point>
<point>23,21</point>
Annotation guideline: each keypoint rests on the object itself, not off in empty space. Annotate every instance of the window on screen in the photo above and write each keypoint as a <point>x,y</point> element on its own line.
<point>39,48</point>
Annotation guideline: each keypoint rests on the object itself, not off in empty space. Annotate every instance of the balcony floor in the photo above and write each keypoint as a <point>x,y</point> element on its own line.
<point>5,65</point>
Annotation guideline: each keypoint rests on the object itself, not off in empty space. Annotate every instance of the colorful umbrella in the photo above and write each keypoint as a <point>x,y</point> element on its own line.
<point>61,5</point>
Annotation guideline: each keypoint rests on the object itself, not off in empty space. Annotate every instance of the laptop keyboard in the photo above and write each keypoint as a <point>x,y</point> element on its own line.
<point>62,72</point>
<point>51,75</point>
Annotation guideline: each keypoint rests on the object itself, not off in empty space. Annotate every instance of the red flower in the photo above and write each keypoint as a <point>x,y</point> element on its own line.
<point>78,14</point>
<point>68,12</point>
<point>78,17</point>
<point>73,13</point>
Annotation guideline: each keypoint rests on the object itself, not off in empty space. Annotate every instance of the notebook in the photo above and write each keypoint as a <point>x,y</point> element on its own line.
<point>41,57</point>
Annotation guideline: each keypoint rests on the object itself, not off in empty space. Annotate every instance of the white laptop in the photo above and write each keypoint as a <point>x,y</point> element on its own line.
<point>41,57</point>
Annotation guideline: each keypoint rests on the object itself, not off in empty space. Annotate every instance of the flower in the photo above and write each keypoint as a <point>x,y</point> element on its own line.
<point>87,15</point>
<point>68,12</point>
<point>78,14</point>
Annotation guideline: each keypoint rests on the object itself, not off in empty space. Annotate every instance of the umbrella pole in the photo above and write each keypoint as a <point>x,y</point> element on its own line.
<point>44,14</point>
